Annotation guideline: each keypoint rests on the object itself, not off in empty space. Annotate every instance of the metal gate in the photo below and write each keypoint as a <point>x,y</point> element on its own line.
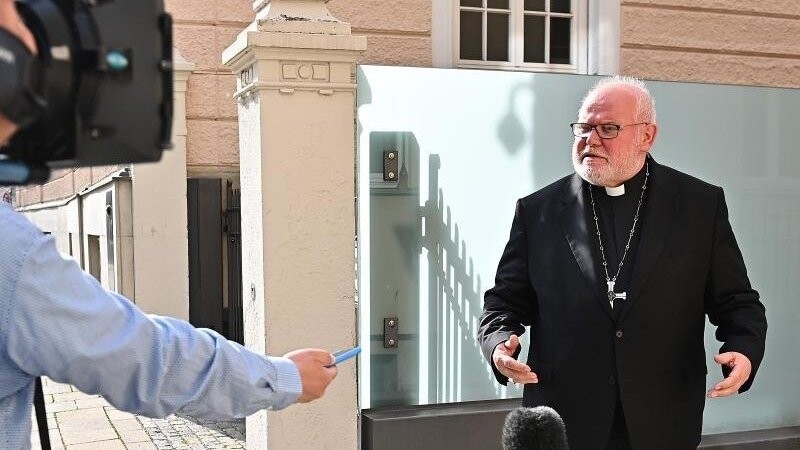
<point>233,229</point>
<point>209,224</point>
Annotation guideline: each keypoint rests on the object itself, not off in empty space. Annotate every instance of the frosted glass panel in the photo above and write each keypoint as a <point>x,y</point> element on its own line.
<point>469,143</point>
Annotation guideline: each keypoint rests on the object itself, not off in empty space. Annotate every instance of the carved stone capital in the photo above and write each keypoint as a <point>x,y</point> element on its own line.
<point>298,16</point>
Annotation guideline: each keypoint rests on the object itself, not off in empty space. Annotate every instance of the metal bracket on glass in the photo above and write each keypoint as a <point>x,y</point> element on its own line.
<point>390,158</point>
<point>391,335</point>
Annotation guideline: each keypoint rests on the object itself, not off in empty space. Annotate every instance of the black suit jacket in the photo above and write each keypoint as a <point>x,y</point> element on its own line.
<point>688,265</point>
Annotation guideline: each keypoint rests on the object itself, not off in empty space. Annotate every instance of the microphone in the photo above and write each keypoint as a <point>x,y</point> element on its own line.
<point>539,428</point>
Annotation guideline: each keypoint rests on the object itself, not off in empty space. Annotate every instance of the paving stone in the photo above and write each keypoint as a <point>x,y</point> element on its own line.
<point>133,436</point>
<point>50,387</point>
<point>89,436</point>
<point>141,446</point>
<point>127,424</point>
<point>113,444</point>
<point>115,414</point>
<point>91,402</point>
<point>67,396</point>
<point>83,420</point>
<point>55,438</point>
<point>61,406</point>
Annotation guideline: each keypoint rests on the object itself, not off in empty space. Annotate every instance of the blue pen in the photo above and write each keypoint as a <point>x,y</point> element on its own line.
<point>343,355</point>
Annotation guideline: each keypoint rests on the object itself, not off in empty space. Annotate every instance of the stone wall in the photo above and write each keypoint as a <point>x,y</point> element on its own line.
<point>714,41</point>
<point>201,31</point>
<point>398,32</point>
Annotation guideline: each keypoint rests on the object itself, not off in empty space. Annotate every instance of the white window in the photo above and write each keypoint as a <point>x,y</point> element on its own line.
<point>525,34</point>
<point>535,35</point>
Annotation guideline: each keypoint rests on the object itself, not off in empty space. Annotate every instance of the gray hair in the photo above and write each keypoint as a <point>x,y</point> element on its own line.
<point>645,103</point>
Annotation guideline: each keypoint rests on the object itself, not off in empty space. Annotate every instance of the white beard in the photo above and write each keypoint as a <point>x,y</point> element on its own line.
<point>610,175</point>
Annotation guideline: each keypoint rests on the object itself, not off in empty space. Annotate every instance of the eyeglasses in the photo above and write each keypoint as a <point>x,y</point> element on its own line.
<point>604,130</point>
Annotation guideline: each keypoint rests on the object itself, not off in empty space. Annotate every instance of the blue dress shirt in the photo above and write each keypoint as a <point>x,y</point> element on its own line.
<point>58,321</point>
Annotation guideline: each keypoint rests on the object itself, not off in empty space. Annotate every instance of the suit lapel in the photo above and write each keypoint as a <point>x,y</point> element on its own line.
<point>580,239</point>
<point>660,210</point>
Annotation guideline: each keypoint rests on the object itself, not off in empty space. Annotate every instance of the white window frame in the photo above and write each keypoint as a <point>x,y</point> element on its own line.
<point>594,39</point>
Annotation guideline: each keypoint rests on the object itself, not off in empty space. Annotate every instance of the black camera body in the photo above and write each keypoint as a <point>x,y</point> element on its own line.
<point>99,92</point>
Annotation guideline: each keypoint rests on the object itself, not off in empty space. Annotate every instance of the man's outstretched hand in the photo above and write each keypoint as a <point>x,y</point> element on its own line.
<point>316,371</point>
<point>740,372</point>
<point>504,361</point>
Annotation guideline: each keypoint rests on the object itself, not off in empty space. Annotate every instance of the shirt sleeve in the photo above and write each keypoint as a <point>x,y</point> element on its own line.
<point>65,325</point>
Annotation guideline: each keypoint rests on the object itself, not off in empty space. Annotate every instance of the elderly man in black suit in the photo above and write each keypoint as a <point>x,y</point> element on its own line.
<point>614,268</point>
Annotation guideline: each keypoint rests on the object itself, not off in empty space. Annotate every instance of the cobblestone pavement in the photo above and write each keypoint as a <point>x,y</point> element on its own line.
<point>176,432</point>
<point>78,421</point>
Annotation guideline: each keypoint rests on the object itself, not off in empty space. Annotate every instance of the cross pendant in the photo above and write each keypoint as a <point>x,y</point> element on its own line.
<point>614,295</point>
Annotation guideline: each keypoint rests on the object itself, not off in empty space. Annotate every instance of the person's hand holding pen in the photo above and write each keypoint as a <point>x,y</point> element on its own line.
<point>316,371</point>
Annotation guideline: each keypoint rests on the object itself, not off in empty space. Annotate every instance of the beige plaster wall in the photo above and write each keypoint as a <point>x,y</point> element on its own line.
<point>398,32</point>
<point>201,31</point>
<point>159,223</point>
<point>716,41</point>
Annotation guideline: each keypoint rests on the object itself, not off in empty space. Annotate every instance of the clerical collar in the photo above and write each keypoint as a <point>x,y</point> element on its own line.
<point>616,191</point>
<point>635,182</point>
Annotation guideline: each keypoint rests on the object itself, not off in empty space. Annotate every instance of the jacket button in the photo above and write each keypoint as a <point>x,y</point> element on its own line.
<point>612,381</point>
<point>618,334</point>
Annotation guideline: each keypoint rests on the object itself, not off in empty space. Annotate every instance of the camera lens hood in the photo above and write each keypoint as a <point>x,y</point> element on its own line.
<point>99,91</point>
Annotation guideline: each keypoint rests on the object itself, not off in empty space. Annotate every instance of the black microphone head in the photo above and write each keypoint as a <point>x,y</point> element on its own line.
<point>539,428</point>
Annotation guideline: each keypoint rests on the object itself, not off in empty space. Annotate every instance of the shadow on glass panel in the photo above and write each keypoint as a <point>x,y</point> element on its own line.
<point>422,280</point>
<point>511,130</point>
<point>457,369</point>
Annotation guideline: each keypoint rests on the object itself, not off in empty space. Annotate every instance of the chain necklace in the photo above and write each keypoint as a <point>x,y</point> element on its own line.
<point>610,281</point>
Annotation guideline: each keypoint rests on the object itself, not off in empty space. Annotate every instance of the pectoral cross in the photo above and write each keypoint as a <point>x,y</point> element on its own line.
<point>614,295</point>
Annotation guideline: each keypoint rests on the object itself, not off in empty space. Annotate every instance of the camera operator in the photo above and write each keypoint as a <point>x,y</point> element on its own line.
<point>57,321</point>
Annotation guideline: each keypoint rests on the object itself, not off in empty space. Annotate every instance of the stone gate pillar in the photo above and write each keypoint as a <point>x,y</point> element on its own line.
<point>296,99</point>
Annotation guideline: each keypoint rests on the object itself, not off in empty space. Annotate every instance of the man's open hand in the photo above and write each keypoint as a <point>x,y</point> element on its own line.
<point>504,361</point>
<point>740,372</point>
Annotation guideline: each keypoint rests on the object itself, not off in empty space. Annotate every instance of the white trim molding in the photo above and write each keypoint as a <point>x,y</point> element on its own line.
<point>604,37</point>
<point>443,42</point>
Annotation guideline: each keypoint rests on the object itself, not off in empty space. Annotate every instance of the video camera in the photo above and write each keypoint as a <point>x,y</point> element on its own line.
<point>99,92</point>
